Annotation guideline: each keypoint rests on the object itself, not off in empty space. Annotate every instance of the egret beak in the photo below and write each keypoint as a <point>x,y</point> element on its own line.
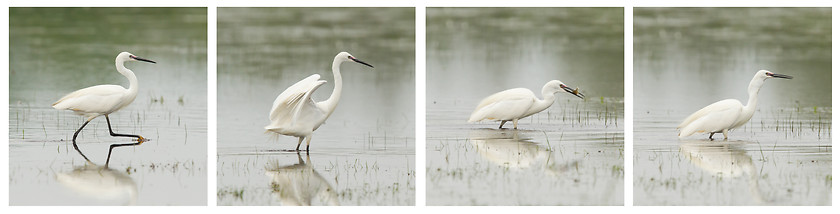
<point>141,59</point>
<point>360,62</point>
<point>576,92</point>
<point>774,75</point>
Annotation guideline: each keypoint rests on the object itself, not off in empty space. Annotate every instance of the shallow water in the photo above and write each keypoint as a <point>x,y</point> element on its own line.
<point>570,154</point>
<point>364,153</point>
<point>55,51</point>
<point>782,156</point>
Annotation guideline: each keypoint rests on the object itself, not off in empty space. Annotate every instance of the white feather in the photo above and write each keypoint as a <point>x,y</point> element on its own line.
<point>505,105</point>
<point>716,117</point>
<point>294,110</point>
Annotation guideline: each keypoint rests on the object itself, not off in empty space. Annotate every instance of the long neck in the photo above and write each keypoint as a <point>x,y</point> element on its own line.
<point>755,86</point>
<point>132,80</point>
<point>332,102</point>
<point>548,99</point>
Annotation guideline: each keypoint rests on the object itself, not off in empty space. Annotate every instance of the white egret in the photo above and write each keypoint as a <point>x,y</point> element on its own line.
<point>517,103</point>
<point>725,115</point>
<point>95,101</point>
<point>294,113</point>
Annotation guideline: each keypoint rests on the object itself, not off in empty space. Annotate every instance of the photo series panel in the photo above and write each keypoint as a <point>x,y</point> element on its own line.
<point>732,106</point>
<point>525,106</point>
<point>108,106</point>
<point>316,106</point>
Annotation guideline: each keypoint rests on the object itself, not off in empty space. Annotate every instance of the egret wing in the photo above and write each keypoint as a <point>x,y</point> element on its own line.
<point>717,106</point>
<point>293,99</point>
<point>100,98</point>
<point>505,105</point>
<point>713,118</point>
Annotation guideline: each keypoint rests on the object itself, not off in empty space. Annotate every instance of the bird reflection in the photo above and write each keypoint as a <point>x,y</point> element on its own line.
<point>506,148</point>
<point>101,184</point>
<point>726,159</point>
<point>111,149</point>
<point>299,184</point>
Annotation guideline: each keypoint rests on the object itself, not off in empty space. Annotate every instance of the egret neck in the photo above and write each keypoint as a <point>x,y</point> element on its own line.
<point>755,86</point>
<point>332,102</point>
<point>548,99</point>
<point>132,79</point>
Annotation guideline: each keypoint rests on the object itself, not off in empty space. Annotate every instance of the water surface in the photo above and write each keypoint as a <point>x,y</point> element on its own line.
<point>55,51</point>
<point>569,154</point>
<point>687,58</point>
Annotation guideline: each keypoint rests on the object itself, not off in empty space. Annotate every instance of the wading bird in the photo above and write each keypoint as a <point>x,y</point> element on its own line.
<point>294,113</point>
<point>725,115</point>
<point>95,101</point>
<point>518,103</point>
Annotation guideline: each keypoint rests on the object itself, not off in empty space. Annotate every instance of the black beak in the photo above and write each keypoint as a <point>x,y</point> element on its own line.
<point>360,62</point>
<point>573,91</point>
<point>780,76</point>
<point>141,59</point>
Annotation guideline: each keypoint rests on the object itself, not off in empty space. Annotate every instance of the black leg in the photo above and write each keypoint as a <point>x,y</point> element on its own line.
<point>300,140</point>
<point>710,136</point>
<point>139,138</point>
<point>118,145</point>
<point>74,140</point>
<point>503,123</point>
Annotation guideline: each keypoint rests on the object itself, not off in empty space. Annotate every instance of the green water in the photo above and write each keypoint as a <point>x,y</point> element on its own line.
<point>54,51</point>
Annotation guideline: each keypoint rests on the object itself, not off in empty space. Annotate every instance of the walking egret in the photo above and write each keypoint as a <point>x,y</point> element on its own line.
<point>518,103</point>
<point>725,115</point>
<point>294,113</point>
<point>95,101</point>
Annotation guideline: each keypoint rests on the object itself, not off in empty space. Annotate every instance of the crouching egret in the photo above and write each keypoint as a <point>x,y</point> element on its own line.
<point>518,103</point>
<point>95,101</point>
<point>295,114</point>
<point>725,115</point>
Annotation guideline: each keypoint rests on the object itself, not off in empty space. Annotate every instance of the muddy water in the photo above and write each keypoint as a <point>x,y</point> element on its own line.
<point>55,51</point>
<point>364,153</point>
<point>570,154</point>
<point>684,62</point>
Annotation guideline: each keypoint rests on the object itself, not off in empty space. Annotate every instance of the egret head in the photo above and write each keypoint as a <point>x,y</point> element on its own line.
<point>126,56</point>
<point>765,74</point>
<point>344,56</point>
<point>555,86</point>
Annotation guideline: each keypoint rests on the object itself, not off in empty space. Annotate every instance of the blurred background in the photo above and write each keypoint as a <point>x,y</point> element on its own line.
<point>365,150</point>
<point>55,51</point>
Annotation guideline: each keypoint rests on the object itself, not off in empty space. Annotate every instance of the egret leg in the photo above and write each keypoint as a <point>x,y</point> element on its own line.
<point>503,123</point>
<point>515,123</point>
<point>139,138</point>
<point>710,136</point>
<point>726,134</point>
<point>74,140</point>
<point>300,140</point>
<point>308,140</point>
